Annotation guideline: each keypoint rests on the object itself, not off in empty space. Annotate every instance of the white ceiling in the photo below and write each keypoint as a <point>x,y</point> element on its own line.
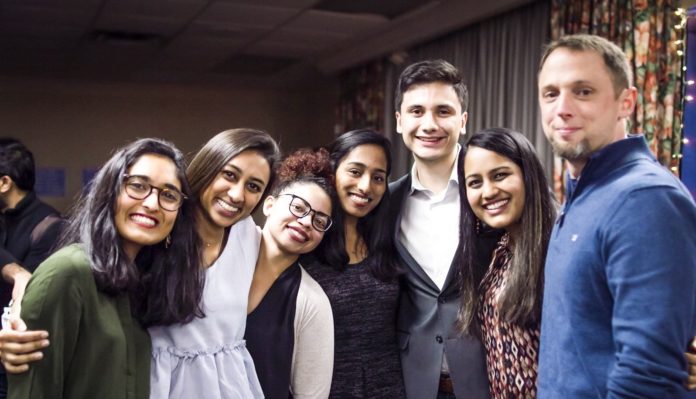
<point>219,41</point>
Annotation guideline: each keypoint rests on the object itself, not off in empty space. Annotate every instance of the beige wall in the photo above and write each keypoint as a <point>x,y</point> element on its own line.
<point>76,125</point>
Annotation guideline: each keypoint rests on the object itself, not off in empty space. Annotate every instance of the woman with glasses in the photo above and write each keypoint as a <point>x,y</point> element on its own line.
<point>356,268</point>
<point>207,356</point>
<point>129,261</point>
<point>290,327</point>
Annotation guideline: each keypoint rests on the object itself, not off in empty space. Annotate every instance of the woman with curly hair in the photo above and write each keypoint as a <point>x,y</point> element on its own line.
<point>290,326</point>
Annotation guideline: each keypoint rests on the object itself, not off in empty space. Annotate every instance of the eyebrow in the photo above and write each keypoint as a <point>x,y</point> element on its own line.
<point>573,83</point>
<point>149,181</point>
<point>365,166</point>
<point>494,170</point>
<point>238,170</point>
<point>231,166</point>
<point>258,181</point>
<point>439,105</point>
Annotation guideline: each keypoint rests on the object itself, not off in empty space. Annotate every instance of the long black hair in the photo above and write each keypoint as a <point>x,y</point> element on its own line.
<point>165,284</point>
<point>520,301</point>
<point>374,228</point>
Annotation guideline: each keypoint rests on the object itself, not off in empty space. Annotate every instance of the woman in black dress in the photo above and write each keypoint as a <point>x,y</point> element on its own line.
<point>354,265</point>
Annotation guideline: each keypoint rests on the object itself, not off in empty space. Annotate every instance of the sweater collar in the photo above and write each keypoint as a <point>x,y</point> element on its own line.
<point>610,158</point>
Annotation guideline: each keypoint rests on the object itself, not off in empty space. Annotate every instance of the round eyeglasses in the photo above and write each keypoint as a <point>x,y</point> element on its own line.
<point>137,187</point>
<point>300,208</point>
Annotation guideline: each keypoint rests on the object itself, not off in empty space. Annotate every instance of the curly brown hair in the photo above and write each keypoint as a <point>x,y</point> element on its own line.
<point>306,165</point>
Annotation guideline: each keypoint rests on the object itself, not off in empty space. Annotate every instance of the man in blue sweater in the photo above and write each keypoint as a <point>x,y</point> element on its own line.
<point>620,280</point>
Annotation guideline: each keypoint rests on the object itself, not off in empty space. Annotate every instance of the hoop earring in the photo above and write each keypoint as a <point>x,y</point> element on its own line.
<point>168,242</point>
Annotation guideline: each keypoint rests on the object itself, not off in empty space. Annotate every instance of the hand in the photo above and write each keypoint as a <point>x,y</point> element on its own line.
<point>19,347</point>
<point>691,366</point>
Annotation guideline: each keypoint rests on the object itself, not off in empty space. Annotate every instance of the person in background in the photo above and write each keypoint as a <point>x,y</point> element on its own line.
<point>128,261</point>
<point>289,330</point>
<point>619,304</point>
<point>506,188</point>
<point>29,228</point>
<point>356,267</point>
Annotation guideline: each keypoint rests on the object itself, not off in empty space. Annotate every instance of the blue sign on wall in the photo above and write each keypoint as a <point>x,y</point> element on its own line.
<point>87,175</point>
<point>50,182</point>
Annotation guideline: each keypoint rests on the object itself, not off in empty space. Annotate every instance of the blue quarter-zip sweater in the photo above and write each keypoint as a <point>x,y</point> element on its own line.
<point>620,282</point>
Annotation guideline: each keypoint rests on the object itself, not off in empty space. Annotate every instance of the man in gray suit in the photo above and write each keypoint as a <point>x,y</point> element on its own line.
<point>437,359</point>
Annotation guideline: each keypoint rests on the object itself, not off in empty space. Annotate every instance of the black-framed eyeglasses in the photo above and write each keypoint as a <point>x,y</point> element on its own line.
<point>137,187</point>
<point>300,208</point>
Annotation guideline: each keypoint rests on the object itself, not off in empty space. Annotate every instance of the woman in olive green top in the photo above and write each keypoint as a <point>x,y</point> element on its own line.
<point>130,262</point>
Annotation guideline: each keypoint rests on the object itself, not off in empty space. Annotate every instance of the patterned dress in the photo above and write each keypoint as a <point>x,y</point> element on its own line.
<point>512,351</point>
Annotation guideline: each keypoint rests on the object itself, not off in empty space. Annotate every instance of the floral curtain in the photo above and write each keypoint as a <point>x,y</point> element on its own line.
<point>361,98</point>
<point>645,30</point>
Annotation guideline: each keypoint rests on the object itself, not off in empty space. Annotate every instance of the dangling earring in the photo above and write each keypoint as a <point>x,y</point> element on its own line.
<point>168,242</point>
<point>478,226</point>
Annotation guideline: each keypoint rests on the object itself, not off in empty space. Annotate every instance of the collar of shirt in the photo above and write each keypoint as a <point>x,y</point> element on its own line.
<point>417,188</point>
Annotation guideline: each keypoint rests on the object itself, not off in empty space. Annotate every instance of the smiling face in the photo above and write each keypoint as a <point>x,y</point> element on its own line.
<point>580,110</point>
<point>431,121</point>
<point>494,188</point>
<point>294,236</point>
<point>361,180</point>
<point>236,190</point>
<point>143,222</point>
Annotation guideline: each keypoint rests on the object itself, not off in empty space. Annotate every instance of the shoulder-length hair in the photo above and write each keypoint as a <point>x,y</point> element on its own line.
<point>165,284</point>
<point>520,301</point>
<point>374,228</point>
<point>224,146</point>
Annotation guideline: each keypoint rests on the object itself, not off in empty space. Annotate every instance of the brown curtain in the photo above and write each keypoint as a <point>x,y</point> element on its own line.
<point>361,101</point>
<point>645,30</point>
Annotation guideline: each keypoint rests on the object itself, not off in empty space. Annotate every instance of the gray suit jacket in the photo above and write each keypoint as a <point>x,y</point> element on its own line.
<point>426,321</point>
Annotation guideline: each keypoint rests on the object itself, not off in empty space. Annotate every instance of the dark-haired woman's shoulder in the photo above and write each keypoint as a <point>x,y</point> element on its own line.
<point>83,323</point>
<point>59,281</point>
<point>67,266</point>
<point>319,270</point>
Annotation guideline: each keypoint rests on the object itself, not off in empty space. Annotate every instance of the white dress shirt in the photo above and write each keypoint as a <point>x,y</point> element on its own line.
<point>430,225</point>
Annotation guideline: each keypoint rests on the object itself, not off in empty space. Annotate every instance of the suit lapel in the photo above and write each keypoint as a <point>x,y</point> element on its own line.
<point>399,192</point>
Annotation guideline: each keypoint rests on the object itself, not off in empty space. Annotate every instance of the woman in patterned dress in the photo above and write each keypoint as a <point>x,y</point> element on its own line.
<point>506,188</point>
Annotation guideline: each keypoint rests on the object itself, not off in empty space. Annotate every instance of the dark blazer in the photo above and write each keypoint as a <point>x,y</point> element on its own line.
<point>426,321</point>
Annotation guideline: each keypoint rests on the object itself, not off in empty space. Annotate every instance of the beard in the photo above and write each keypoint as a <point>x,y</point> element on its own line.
<point>572,152</point>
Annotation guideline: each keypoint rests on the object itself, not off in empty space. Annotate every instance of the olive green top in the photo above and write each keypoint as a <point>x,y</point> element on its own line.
<point>97,349</point>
